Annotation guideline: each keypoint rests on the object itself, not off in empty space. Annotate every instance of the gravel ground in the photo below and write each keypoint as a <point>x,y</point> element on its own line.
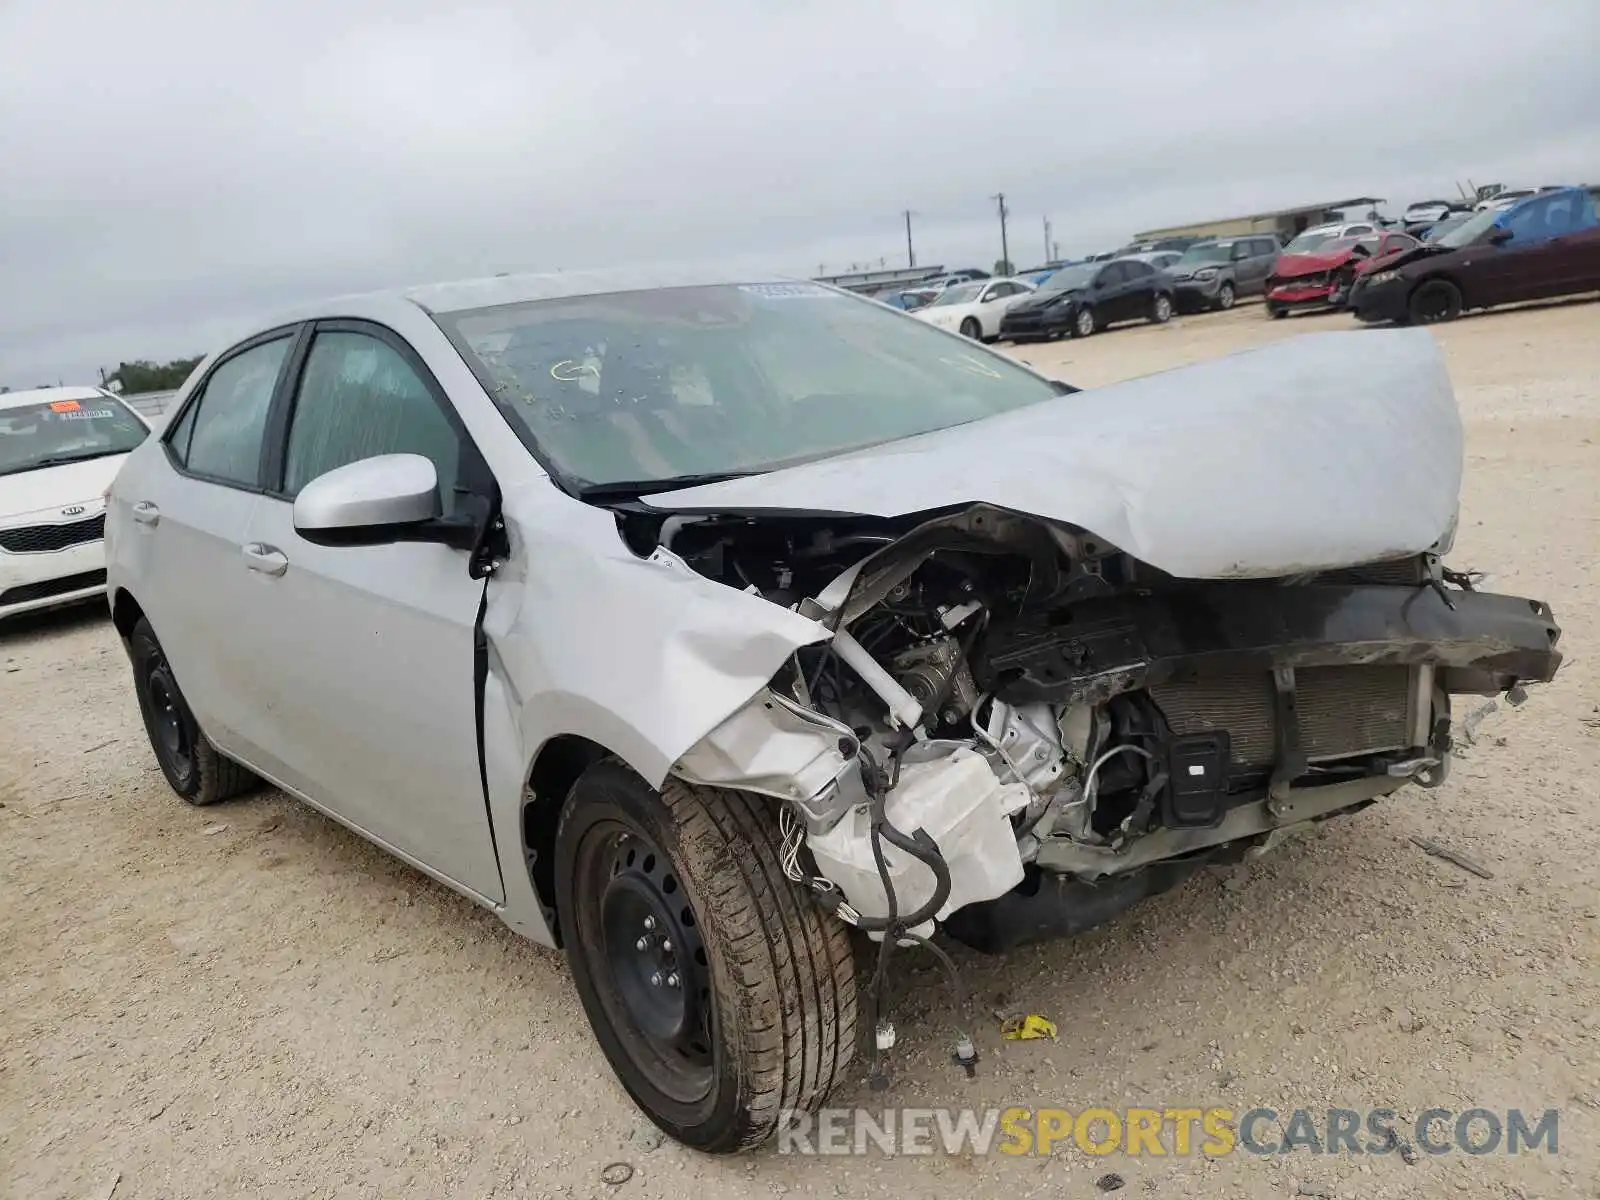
<point>250,1000</point>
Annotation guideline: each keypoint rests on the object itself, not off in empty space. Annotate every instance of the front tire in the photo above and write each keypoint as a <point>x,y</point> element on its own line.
<point>719,992</point>
<point>1161,308</point>
<point>971,329</point>
<point>1084,322</point>
<point>194,768</point>
<point>1434,300</point>
<point>1225,296</point>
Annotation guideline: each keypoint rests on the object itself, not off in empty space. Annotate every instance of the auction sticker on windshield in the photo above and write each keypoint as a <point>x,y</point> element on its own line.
<point>64,406</point>
<point>787,291</point>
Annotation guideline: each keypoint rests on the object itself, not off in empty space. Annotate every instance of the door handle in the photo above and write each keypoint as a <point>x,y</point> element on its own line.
<point>268,560</point>
<point>146,513</point>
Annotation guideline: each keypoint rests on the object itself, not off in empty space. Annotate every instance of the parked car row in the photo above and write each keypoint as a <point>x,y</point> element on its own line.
<point>59,448</point>
<point>1541,246</point>
<point>1319,274</point>
<point>1081,299</point>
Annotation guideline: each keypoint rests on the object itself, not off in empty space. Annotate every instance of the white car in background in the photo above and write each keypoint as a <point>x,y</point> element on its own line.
<point>60,448</point>
<point>974,309</point>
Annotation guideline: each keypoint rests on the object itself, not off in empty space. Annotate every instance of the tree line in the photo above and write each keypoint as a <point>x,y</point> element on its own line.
<point>142,375</point>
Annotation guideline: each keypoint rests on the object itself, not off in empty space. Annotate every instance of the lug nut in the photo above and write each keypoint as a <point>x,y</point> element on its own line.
<point>655,979</point>
<point>666,945</point>
<point>649,922</point>
<point>672,980</point>
<point>642,944</point>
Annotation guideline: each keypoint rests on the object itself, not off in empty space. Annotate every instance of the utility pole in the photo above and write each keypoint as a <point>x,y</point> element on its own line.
<point>1000,203</point>
<point>911,253</point>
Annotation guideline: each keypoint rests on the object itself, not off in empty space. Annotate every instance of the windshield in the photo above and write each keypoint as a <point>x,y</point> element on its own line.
<point>61,431</point>
<point>964,293</point>
<point>1307,242</point>
<point>1216,252</point>
<point>1468,231</point>
<point>655,386</point>
<point>1080,276</point>
<point>1435,232</point>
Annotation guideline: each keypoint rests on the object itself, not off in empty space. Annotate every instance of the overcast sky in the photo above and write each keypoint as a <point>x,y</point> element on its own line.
<point>171,168</point>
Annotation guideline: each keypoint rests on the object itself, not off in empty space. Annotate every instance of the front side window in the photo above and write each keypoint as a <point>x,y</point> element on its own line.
<point>359,398</point>
<point>56,432</point>
<point>1205,254</point>
<point>655,386</point>
<point>230,414</point>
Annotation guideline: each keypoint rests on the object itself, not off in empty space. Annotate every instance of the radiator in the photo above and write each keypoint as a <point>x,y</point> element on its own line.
<point>1344,711</point>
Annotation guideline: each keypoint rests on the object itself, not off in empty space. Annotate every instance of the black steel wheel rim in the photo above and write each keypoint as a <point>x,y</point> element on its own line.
<point>646,949</point>
<point>171,731</point>
<point>1432,304</point>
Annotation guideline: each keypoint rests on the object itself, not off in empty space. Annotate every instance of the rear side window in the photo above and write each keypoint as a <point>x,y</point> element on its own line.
<point>358,398</point>
<point>223,438</point>
<point>1137,270</point>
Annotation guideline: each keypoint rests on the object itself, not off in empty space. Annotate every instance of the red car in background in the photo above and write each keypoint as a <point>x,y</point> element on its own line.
<point>1322,278</point>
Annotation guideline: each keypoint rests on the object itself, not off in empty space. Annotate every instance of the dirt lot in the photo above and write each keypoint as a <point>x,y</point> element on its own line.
<point>249,1000</point>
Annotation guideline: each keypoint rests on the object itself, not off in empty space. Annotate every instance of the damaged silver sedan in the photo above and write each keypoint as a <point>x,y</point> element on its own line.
<point>714,630</point>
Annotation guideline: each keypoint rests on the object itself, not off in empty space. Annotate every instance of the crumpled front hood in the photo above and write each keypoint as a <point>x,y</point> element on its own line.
<point>1397,258</point>
<point>1289,265</point>
<point>1261,464</point>
<point>1040,300</point>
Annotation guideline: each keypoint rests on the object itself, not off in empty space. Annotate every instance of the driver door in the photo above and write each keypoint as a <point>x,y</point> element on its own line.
<point>367,653</point>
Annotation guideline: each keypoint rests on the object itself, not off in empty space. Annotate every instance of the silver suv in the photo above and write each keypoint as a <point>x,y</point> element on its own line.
<point>706,627</point>
<point>1215,274</point>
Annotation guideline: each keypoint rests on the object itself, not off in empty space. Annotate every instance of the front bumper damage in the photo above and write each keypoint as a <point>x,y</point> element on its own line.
<point>1294,638</point>
<point>1478,642</point>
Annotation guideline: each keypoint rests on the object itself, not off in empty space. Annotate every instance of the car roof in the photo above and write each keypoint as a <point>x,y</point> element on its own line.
<point>1545,193</point>
<point>491,291</point>
<point>49,395</point>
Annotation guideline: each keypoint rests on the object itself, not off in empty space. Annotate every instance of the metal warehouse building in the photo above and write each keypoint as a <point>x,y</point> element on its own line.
<point>1284,221</point>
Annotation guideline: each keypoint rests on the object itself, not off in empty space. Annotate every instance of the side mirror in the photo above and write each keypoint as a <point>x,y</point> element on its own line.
<point>388,498</point>
<point>1498,236</point>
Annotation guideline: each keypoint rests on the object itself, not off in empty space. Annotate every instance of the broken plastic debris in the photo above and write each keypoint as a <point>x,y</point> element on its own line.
<point>616,1174</point>
<point>1027,1028</point>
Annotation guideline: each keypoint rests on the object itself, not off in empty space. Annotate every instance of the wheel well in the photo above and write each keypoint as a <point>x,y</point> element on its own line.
<point>556,768</point>
<point>125,613</point>
<point>1438,277</point>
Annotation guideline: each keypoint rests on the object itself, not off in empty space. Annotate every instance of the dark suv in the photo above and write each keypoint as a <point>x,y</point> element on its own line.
<point>1213,274</point>
<point>1088,296</point>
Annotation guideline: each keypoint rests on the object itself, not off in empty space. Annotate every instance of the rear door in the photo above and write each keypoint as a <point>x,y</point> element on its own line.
<point>190,509</point>
<point>368,653</point>
<point>1566,258</point>
<point>1250,273</point>
<point>1139,291</point>
<point>1523,267</point>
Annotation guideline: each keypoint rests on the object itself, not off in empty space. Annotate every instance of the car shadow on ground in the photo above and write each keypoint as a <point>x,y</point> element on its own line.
<point>46,622</point>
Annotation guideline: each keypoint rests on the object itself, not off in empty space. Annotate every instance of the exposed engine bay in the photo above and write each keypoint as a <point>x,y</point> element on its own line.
<point>1016,730</point>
